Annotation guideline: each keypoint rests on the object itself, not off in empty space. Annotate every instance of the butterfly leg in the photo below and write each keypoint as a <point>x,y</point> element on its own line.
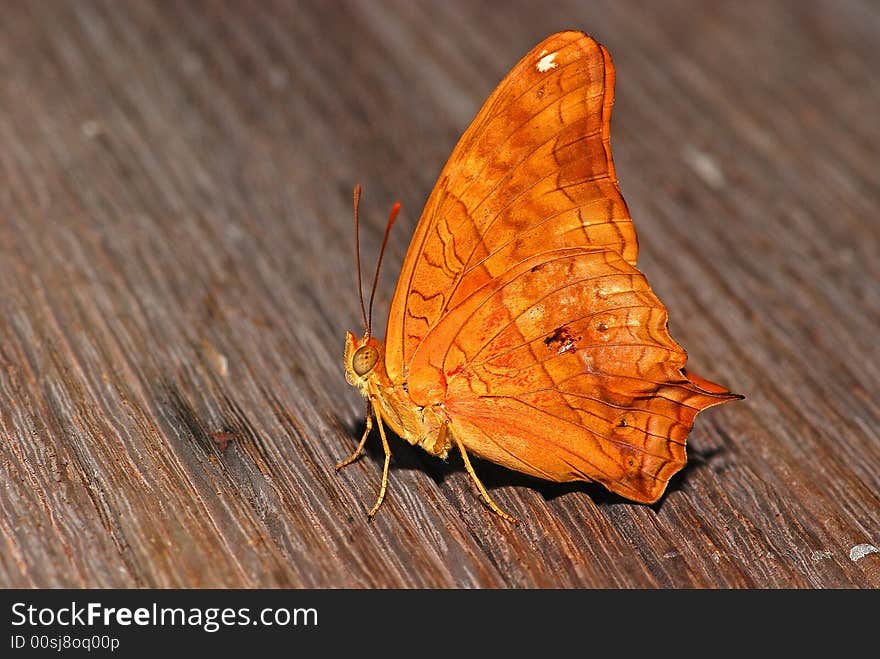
<point>387,450</point>
<point>470,470</point>
<point>360,447</point>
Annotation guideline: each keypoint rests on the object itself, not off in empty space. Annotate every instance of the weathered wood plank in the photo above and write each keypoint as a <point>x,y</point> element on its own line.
<point>176,270</point>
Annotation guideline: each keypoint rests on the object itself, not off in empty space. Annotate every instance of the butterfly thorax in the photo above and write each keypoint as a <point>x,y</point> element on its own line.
<point>419,425</point>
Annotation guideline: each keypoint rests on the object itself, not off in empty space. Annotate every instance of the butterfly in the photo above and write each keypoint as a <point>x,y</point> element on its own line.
<point>521,330</point>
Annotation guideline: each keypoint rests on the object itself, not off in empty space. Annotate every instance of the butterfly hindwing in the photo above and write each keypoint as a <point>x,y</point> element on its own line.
<point>563,368</point>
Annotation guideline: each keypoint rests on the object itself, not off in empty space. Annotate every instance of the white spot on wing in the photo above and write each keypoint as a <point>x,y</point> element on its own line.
<point>546,63</point>
<point>587,359</point>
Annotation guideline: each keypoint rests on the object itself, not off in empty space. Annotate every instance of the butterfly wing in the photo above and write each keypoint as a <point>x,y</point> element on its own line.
<point>519,307</point>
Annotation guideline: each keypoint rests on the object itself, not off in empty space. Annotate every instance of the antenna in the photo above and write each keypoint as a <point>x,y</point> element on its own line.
<point>391,217</point>
<point>357,252</point>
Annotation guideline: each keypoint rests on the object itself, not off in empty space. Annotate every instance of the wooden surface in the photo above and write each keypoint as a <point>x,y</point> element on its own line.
<point>176,274</point>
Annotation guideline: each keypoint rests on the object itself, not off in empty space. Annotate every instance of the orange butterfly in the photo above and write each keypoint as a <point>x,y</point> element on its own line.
<point>520,329</point>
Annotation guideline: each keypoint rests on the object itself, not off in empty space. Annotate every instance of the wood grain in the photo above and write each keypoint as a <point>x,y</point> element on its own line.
<point>176,274</point>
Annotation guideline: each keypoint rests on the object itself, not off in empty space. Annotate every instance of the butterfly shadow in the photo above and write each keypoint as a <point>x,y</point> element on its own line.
<point>494,476</point>
<point>407,457</point>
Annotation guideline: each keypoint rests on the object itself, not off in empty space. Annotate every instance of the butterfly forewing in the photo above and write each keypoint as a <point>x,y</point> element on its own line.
<point>532,172</point>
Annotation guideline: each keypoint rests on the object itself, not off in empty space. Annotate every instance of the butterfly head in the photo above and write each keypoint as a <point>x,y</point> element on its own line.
<point>363,359</point>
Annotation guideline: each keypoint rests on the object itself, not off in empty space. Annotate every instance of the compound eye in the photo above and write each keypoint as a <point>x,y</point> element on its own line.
<point>364,359</point>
